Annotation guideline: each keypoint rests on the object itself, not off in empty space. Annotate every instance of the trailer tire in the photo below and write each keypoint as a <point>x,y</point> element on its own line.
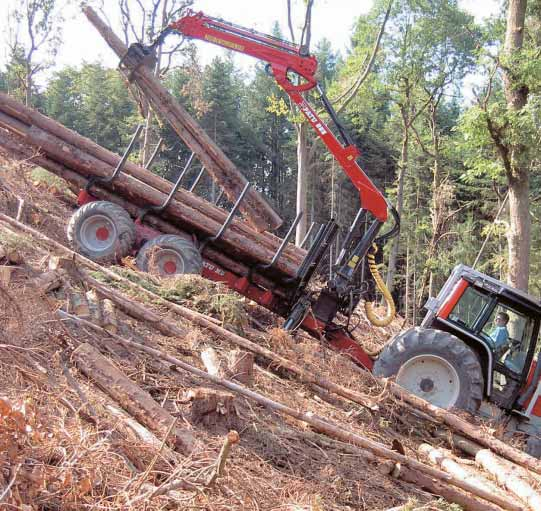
<point>169,255</point>
<point>101,231</point>
<point>436,366</point>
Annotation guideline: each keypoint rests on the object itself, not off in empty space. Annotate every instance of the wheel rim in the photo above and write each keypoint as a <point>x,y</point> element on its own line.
<point>98,233</point>
<point>431,377</point>
<point>166,262</point>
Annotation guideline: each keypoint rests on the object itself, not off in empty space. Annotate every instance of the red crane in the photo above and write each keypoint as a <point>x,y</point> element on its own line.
<point>285,62</point>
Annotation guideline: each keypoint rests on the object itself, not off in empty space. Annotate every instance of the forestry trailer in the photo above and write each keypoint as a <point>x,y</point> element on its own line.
<point>452,360</point>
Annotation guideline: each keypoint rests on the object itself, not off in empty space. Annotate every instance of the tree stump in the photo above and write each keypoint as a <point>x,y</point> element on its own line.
<point>213,409</point>
<point>240,366</point>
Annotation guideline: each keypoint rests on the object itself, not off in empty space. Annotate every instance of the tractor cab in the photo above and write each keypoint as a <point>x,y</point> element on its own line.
<point>478,343</point>
<point>501,325</point>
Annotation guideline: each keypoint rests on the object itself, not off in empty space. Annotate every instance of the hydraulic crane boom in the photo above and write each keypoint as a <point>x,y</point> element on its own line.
<point>285,59</point>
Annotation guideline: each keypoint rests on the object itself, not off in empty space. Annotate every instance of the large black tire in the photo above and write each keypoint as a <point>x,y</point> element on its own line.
<point>169,255</point>
<point>436,366</point>
<point>101,231</point>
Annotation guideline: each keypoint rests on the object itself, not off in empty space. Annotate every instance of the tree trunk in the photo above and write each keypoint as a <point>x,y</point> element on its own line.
<point>402,169</point>
<point>302,182</point>
<point>516,94</point>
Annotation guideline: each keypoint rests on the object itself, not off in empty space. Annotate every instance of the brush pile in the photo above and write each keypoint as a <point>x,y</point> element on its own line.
<point>124,391</point>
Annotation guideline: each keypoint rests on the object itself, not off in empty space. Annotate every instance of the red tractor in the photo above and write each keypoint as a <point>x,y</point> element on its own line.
<point>475,349</point>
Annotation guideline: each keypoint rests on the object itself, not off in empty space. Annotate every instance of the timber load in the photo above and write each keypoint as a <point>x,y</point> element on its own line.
<point>27,134</point>
<point>254,207</point>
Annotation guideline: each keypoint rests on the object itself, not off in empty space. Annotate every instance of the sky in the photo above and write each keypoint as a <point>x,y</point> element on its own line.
<point>332,19</point>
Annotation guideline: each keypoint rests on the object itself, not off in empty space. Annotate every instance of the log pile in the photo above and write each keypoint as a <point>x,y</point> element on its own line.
<point>31,136</point>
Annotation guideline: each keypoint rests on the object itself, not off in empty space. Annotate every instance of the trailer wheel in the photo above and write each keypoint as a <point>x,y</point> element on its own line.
<point>436,366</point>
<point>101,231</point>
<point>169,255</point>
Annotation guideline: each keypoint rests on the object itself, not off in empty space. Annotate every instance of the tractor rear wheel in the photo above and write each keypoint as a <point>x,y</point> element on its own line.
<point>436,366</point>
<point>169,255</point>
<point>102,231</point>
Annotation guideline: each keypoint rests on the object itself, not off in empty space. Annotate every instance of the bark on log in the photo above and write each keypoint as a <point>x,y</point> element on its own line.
<point>131,397</point>
<point>438,458</point>
<point>320,424</point>
<point>5,275</point>
<point>16,148</point>
<point>30,117</point>
<point>444,490</point>
<point>77,303</point>
<point>94,305</point>
<point>210,155</point>
<point>508,477</point>
<point>108,319</point>
<point>516,479</point>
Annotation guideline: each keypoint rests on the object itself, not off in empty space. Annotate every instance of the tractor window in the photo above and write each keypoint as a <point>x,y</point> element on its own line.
<point>509,333</point>
<point>469,308</point>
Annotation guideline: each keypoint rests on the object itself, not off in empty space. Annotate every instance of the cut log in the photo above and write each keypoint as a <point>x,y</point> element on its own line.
<point>508,477</point>
<point>46,282</point>
<point>468,429</point>
<point>446,491</point>
<point>108,318</point>
<point>94,305</point>
<point>438,458</point>
<point>210,155</point>
<point>240,366</point>
<point>515,479</point>
<point>77,303</point>
<point>131,397</point>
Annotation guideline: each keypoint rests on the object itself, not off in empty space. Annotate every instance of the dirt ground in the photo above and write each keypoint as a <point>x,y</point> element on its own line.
<point>61,448</point>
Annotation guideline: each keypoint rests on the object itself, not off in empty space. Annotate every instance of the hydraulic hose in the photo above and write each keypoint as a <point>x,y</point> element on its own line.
<point>369,306</point>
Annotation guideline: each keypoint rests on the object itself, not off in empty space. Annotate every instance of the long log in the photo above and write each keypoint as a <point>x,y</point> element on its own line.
<point>31,117</point>
<point>468,429</point>
<point>438,458</point>
<point>320,424</point>
<point>215,161</point>
<point>133,190</point>
<point>131,397</point>
<point>515,479</point>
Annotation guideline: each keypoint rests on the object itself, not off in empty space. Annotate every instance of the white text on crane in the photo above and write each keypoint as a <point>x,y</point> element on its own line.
<point>312,118</point>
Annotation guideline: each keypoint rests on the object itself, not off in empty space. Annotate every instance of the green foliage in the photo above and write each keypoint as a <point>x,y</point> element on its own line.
<point>94,102</point>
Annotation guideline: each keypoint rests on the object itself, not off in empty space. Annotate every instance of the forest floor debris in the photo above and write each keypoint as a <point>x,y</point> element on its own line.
<point>67,445</point>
